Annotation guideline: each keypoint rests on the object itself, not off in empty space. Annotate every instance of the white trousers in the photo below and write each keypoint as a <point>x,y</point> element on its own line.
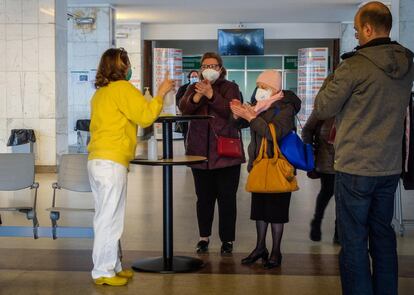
<point>109,186</point>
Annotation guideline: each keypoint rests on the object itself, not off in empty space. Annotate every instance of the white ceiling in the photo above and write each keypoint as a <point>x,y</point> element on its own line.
<point>230,11</point>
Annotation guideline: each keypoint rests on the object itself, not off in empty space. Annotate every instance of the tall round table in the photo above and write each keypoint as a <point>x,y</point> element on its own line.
<point>169,263</point>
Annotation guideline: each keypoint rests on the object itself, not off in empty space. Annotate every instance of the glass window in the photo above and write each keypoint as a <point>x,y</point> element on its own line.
<point>233,62</point>
<point>291,81</point>
<point>238,77</point>
<point>251,84</point>
<point>244,70</point>
<point>264,62</point>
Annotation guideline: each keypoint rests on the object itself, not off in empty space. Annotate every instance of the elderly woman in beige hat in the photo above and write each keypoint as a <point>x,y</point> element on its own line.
<point>279,107</point>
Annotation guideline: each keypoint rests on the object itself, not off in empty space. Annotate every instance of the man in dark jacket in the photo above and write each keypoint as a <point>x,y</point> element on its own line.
<point>368,96</point>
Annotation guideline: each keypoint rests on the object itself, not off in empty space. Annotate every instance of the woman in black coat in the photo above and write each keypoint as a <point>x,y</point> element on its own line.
<point>318,132</point>
<point>278,107</point>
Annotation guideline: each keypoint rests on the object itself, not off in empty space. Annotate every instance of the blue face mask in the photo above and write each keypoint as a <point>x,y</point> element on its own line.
<point>129,74</point>
<point>193,80</point>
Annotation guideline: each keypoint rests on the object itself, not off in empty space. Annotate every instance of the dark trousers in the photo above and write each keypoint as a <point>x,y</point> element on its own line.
<point>324,196</point>
<point>221,185</point>
<point>365,208</point>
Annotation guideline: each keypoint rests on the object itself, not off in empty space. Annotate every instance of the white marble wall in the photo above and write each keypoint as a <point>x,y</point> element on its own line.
<point>28,97</point>
<point>85,47</point>
<point>348,41</point>
<point>129,37</point>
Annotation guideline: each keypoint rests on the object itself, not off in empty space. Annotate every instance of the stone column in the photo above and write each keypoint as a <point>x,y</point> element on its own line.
<point>128,36</point>
<point>87,42</point>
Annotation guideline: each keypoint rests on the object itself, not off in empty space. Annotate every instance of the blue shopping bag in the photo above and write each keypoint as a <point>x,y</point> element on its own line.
<point>298,154</point>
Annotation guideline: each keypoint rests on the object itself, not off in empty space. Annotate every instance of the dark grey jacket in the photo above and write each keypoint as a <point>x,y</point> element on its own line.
<point>281,114</point>
<point>368,97</point>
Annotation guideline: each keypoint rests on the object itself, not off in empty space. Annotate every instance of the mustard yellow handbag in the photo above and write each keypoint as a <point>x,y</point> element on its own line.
<point>271,175</point>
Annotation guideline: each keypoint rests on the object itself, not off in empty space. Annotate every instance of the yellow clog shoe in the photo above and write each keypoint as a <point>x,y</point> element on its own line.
<point>112,281</point>
<point>125,273</point>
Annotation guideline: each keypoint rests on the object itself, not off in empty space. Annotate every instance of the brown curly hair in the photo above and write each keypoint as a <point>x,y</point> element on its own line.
<point>113,66</point>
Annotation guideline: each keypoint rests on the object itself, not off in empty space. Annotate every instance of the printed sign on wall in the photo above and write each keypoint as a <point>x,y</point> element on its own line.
<point>312,72</point>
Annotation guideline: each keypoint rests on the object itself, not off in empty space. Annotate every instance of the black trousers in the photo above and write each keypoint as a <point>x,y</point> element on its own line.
<point>324,196</point>
<point>221,185</point>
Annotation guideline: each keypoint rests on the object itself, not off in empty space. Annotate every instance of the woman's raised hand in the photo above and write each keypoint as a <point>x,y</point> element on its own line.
<point>204,88</point>
<point>242,110</point>
<point>166,85</point>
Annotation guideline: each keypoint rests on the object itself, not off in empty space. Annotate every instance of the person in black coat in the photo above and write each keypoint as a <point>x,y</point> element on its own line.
<point>318,133</point>
<point>192,76</point>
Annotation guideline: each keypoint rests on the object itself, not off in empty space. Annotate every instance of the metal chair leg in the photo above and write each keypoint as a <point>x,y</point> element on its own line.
<point>54,217</point>
<point>32,214</point>
<point>35,227</point>
<point>79,141</point>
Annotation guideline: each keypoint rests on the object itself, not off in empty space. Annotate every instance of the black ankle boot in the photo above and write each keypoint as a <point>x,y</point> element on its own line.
<point>254,256</point>
<point>315,232</point>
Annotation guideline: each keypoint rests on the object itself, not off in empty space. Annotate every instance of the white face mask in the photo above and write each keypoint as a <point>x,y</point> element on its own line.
<point>262,94</point>
<point>211,75</point>
<point>193,80</point>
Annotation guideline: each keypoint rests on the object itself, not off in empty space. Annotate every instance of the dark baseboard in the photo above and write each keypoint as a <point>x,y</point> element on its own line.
<point>45,168</point>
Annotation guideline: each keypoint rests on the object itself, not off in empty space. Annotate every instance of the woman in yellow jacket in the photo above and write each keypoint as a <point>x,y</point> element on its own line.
<point>116,109</point>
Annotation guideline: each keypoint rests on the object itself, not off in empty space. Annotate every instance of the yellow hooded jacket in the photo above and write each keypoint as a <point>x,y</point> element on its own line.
<point>116,109</point>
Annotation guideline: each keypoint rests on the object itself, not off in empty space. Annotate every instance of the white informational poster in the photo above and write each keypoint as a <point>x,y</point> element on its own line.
<point>167,60</point>
<point>312,72</point>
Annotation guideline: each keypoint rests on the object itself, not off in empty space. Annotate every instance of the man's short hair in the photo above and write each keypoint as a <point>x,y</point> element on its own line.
<point>378,15</point>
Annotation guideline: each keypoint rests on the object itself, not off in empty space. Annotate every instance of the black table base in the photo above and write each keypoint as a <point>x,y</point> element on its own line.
<point>169,263</point>
<point>157,264</point>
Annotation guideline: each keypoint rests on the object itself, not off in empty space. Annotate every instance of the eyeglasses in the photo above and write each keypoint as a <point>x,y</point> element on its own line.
<point>213,66</point>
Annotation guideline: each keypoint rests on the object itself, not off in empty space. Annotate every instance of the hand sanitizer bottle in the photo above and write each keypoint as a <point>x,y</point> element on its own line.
<point>152,149</point>
<point>147,94</point>
<point>169,104</point>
